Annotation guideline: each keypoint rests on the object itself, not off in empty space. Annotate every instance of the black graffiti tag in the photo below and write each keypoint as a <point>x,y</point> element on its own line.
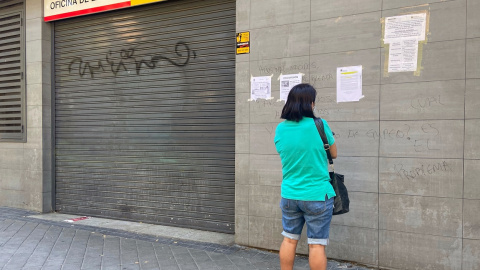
<point>128,61</point>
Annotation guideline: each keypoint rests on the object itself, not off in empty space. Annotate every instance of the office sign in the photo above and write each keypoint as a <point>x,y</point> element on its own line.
<point>62,9</point>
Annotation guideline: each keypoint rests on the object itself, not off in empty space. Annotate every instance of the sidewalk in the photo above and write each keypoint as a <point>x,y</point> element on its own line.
<point>27,242</point>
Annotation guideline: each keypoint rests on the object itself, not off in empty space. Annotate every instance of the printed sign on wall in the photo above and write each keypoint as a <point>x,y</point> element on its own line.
<point>287,82</point>
<point>349,84</point>
<point>403,33</point>
<point>261,87</point>
<point>62,9</point>
<point>243,42</point>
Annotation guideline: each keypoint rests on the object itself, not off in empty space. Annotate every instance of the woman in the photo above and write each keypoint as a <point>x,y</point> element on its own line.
<point>307,195</point>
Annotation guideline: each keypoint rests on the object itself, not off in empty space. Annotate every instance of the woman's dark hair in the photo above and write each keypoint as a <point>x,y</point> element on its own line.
<point>299,102</point>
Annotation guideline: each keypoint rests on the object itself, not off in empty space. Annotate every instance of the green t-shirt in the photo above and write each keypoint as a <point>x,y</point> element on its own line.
<point>304,161</point>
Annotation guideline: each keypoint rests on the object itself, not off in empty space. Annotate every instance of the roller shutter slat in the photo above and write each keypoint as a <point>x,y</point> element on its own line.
<point>10,103</point>
<point>10,85</point>
<point>11,4</point>
<point>13,74</point>
<point>8,20</point>
<point>10,129</point>
<point>7,112</point>
<point>13,39</point>
<point>10,27</point>
<point>9,65</point>
<point>11,47</point>
<point>12,122</point>
<point>10,90</point>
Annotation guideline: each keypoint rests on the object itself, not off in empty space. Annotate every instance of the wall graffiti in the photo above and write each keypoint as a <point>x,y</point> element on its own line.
<point>422,103</point>
<point>128,61</point>
<point>421,170</point>
<point>423,139</point>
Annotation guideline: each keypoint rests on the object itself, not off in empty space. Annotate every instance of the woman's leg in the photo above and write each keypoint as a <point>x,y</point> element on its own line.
<point>287,253</point>
<point>318,215</point>
<point>292,222</point>
<point>317,257</point>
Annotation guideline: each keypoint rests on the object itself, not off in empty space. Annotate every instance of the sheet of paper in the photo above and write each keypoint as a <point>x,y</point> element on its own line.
<point>261,87</point>
<point>403,33</point>
<point>405,26</point>
<point>287,82</point>
<point>349,84</point>
<point>403,55</point>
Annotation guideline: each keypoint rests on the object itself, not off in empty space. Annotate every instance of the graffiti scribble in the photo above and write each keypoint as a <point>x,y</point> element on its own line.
<point>129,61</point>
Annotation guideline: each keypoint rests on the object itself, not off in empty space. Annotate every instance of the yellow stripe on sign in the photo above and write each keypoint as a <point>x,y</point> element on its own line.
<point>351,72</point>
<point>143,2</point>
<point>243,50</point>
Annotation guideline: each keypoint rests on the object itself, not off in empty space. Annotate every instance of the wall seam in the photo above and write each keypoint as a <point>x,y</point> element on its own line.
<point>400,231</point>
<point>353,14</point>
<point>310,51</point>
<point>249,184</point>
<point>379,144</point>
<point>361,50</point>
<point>53,119</point>
<point>25,85</point>
<point>464,135</point>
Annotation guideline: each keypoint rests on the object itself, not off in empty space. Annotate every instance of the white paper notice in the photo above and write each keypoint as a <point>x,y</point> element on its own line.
<point>403,55</point>
<point>405,26</point>
<point>403,34</point>
<point>261,87</point>
<point>287,82</point>
<point>349,84</point>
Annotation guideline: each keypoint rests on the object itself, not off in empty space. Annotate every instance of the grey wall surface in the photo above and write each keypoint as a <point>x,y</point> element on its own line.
<point>25,168</point>
<point>409,150</point>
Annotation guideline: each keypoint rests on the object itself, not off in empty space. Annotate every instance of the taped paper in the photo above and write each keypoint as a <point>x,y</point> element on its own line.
<point>406,26</point>
<point>403,55</point>
<point>403,37</point>
<point>287,82</point>
<point>261,88</point>
<point>349,84</point>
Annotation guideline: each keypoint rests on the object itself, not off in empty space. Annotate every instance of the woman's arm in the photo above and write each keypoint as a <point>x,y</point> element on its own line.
<point>333,150</point>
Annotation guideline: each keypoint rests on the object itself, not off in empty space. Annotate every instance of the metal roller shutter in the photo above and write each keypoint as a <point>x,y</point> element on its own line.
<point>12,65</point>
<point>145,114</point>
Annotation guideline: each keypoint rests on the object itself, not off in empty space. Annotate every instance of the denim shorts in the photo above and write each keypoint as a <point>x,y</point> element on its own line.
<point>317,215</point>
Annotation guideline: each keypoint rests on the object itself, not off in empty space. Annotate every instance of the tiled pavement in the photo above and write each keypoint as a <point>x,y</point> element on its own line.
<point>29,243</point>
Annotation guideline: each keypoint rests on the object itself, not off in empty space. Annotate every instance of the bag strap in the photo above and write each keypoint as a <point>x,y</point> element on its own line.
<point>321,131</point>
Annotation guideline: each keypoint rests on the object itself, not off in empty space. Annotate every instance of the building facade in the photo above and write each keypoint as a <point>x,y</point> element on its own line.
<point>145,113</point>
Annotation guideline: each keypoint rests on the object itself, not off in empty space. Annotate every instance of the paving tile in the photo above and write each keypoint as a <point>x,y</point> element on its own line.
<point>238,261</point>
<point>110,263</point>
<point>246,267</point>
<point>53,264</point>
<point>208,266</point>
<point>146,255</point>
<point>67,266</point>
<point>17,261</point>
<point>36,260</point>
<point>92,262</point>
<point>32,268</point>
<point>188,267</point>
<point>131,267</point>
<point>5,223</point>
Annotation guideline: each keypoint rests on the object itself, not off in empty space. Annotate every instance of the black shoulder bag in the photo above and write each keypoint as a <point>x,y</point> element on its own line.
<point>341,202</point>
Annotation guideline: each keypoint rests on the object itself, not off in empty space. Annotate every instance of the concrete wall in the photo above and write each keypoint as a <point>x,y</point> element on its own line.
<point>25,168</point>
<point>411,166</point>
